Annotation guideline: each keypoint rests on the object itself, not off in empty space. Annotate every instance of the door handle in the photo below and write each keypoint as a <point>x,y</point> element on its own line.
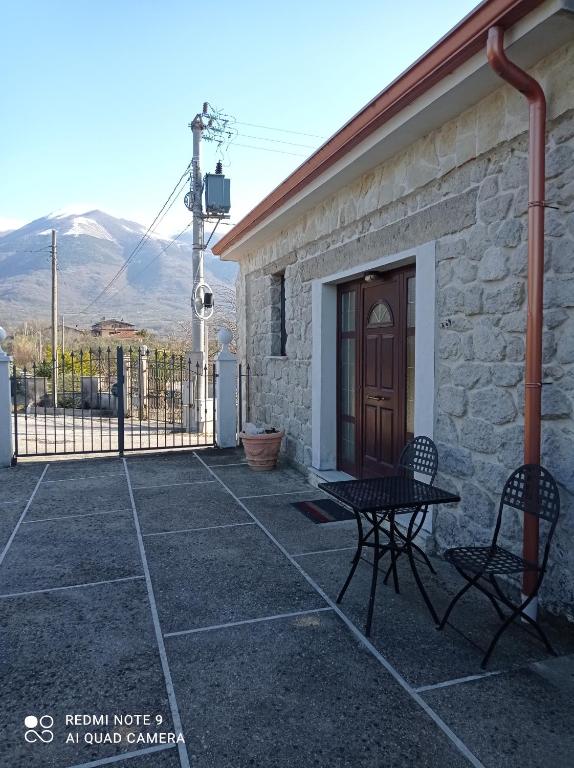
<point>376,397</point>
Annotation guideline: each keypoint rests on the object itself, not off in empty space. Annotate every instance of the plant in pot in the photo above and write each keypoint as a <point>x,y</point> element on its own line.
<point>261,447</point>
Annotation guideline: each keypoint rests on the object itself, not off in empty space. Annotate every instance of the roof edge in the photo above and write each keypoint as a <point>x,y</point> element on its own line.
<point>452,50</point>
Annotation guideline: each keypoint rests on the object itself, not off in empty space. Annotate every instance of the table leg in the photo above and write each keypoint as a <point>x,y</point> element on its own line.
<point>356,558</point>
<point>373,580</point>
<point>412,561</point>
<point>413,534</point>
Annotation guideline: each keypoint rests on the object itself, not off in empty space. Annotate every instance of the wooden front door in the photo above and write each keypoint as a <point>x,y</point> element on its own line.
<point>382,390</point>
<point>376,372</point>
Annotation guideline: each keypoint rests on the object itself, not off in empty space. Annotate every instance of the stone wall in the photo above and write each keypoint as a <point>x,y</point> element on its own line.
<point>464,187</point>
<point>480,371</point>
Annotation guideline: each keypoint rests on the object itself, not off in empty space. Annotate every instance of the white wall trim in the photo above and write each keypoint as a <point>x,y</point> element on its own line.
<point>425,336</point>
<point>324,359</point>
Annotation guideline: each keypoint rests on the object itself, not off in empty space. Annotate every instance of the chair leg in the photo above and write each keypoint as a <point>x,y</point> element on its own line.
<point>504,626</point>
<point>493,600</point>
<point>470,583</point>
<point>368,535</point>
<point>390,549</point>
<point>392,568</point>
<point>408,541</point>
<point>420,585</point>
<point>524,615</point>
<point>424,555</point>
<point>540,631</point>
<point>388,573</point>
<point>389,535</point>
<point>393,551</point>
<point>373,584</point>
<point>413,532</point>
<point>423,513</point>
<point>498,589</point>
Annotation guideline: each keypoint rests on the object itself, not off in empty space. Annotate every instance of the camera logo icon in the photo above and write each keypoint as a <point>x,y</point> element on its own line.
<point>38,729</point>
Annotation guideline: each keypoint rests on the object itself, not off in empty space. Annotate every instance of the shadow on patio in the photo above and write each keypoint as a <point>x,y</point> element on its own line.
<point>188,588</point>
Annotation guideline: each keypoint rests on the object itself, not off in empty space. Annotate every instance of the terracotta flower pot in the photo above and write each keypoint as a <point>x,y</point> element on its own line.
<point>262,451</point>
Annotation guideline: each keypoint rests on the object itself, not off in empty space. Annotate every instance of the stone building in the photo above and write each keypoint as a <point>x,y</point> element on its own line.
<point>114,328</point>
<point>382,287</point>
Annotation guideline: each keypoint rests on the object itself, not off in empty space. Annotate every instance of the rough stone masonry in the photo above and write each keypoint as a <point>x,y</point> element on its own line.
<point>465,188</point>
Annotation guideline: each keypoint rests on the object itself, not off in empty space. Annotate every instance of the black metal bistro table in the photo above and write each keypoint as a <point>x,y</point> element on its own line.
<point>377,501</point>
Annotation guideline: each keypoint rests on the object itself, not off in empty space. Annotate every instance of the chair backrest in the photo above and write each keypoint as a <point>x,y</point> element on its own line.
<point>532,490</point>
<point>419,455</point>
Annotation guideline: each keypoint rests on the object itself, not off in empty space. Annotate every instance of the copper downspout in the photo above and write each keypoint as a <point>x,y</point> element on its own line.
<point>536,178</point>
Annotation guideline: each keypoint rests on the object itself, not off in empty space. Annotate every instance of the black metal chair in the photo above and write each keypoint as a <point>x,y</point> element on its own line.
<point>419,456</point>
<point>532,490</point>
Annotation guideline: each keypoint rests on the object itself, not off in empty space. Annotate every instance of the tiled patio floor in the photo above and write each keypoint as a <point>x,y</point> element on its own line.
<point>184,586</point>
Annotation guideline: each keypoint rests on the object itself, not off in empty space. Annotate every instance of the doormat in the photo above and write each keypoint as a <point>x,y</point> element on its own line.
<point>323,511</point>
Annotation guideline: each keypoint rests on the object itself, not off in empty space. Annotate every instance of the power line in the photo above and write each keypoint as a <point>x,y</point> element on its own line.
<point>154,224</point>
<point>211,235</point>
<point>279,130</point>
<point>170,206</point>
<point>268,149</point>
<point>276,141</point>
<point>163,250</point>
<point>46,249</point>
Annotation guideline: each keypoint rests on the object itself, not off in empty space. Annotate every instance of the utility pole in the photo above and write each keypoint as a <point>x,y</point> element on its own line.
<point>197,322</point>
<point>54,319</point>
<point>217,206</point>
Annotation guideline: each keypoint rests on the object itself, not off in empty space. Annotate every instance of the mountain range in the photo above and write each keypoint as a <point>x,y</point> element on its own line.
<point>153,292</point>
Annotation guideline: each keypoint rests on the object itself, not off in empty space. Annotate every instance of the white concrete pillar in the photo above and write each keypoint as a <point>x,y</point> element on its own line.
<point>128,384</point>
<point>193,408</point>
<point>143,383</point>
<point>225,393</point>
<point>6,442</point>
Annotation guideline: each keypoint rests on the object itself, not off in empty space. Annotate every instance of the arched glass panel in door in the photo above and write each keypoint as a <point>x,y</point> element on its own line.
<point>380,315</point>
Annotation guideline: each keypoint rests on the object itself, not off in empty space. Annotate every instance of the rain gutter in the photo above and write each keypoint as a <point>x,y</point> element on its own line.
<point>534,94</point>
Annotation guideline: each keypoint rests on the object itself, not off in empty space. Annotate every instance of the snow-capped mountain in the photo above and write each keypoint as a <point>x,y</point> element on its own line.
<point>153,291</point>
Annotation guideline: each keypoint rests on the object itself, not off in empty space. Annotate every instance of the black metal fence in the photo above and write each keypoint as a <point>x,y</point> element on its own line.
<point>105,400</point>
<point>243,395</point>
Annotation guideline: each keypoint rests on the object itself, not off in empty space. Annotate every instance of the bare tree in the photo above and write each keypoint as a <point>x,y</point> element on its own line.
<point>224,316</point>
<point>26,345</point>
<point>225,313</point>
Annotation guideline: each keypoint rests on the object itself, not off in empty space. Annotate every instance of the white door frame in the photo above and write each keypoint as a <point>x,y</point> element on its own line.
<point>324,358</point>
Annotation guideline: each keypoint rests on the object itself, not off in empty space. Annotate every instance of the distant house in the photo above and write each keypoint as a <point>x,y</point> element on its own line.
<point>72,333</point>
<point>117,328</point>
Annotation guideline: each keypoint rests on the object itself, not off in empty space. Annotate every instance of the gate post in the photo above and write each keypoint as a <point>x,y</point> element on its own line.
<point>143,382</point>
<point>6,444</point>
<point>121,385</point>
<point>225,393</point>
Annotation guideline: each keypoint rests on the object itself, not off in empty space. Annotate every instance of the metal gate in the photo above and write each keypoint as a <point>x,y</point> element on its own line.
<point>112,401</point>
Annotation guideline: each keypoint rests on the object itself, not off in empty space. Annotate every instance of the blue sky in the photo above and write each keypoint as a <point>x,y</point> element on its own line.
<point>97,96</point>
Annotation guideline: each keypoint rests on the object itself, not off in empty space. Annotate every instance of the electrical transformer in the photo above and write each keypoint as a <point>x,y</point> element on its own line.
<point>217,194</point>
